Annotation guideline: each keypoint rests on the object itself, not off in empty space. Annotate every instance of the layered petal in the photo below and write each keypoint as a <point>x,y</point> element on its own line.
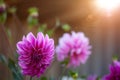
<point>35,53</point>
<point>74,46</point>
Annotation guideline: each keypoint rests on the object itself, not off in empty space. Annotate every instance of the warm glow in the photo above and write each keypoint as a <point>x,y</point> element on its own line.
<point>108,5</point>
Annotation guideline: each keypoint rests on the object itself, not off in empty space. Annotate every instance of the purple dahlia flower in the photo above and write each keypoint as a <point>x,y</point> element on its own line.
<point>114,72</point>
<point>74,47</point>
<point>35,53</point>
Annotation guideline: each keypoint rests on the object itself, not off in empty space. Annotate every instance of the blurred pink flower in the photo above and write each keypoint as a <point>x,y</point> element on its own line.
<point>35,53</point>
<point>74,47</point>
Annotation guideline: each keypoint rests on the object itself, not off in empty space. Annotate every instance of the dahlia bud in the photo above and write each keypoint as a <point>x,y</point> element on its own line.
<point>34,15</point>
<point>2,8</point>
<point>33,12</point>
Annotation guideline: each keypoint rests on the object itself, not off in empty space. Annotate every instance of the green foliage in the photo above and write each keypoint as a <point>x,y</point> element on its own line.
<point>32,18</point>
<point>3,59</point>
<point>50,32</point>
<point>73,74</point>
<point>9,33</point>
<point>66,61</point>
<point>12,66</point>
<point>1,1</point>
<point>32,10</point>
<point>115,57</point>
<point>66,27</point>
<point>32,21</point>
<point>43,78</point>
<point>42,28</point>
<point>3,14</point>
<point>3,17</point>
<point>12,10</point>
<point>15,71</point>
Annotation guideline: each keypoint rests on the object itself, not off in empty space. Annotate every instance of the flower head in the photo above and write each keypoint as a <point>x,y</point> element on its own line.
<point>74,47</point>
<point>35,53</point>
<point>114,72</point>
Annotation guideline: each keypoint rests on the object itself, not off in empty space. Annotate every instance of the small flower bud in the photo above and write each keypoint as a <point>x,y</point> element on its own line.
<point>2,8</point>
<point>34,14</point>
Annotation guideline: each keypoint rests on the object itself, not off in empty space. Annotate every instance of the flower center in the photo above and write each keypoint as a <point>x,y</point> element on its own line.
<point>36,57</point>
<point>75,55</point>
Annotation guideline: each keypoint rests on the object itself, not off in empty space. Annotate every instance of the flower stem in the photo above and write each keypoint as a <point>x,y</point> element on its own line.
<point>31,78</point>
<point>6,37</point>
<point>62,73</point>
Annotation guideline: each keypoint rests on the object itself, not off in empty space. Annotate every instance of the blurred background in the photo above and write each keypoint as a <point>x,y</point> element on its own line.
<point>102,27</point>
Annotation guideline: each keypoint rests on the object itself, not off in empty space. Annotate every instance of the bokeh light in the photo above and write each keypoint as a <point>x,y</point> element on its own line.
<point>107,5</point>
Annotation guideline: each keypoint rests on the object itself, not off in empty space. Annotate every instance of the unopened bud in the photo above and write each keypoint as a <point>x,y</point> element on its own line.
<point>2,8</point>
<point>34,14</point>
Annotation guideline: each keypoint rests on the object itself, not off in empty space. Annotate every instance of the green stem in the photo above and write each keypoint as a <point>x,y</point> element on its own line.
<point>62,73</point>
<point>18,22</point>
<point>31,78</point>
<point>6,37</point>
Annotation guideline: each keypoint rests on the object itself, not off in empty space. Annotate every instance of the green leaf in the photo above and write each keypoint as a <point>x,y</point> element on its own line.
<point>12,10</point>
<point>50,32</point>
<point>115,57</point>
<point>3,17</point>
<point>32,21</point>
<point>1,1</point>
<point>66,27</point>
<point>15,71</point>
<point>9,32</point>
<point>66,61</point>
<point>73,74</point>
<point>33,16</point>
<point>43,78</point>
<point>42,28</point>
<point>3,59</point>
<point>33,10</point>
<point>13,67</point>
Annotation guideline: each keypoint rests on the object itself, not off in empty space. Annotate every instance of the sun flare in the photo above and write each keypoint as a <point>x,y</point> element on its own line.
<point>108,5</point>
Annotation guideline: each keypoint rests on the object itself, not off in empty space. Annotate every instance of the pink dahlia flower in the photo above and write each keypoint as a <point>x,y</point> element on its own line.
<point>74,47</point>
<point>35,53</point>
